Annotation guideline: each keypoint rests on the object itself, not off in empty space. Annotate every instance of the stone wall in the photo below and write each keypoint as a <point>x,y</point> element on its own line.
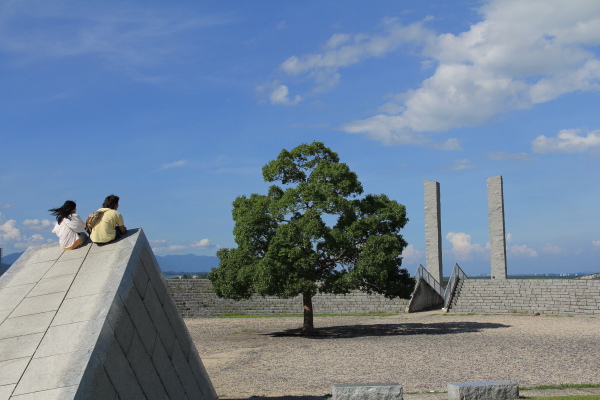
<point>195,298</point>
<point>546,296</point>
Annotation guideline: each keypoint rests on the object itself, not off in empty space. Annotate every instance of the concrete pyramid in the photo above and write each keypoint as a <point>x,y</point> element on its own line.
<point>95,323</point>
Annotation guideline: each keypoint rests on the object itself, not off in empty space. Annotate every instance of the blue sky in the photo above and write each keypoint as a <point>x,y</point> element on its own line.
<point>176,106</point>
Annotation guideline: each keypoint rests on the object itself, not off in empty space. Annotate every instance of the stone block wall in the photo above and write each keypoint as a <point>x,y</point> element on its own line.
<point>195,298</point>
<point>546,296</point>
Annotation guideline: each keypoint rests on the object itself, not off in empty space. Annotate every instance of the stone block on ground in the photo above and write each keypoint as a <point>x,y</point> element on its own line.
<point>367,391</point>
<point>487,390</point>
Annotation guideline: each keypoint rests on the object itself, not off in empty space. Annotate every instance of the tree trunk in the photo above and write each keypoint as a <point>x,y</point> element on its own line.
<point>308,327</point>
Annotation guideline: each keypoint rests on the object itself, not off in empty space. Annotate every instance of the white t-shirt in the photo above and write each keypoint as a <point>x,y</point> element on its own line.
<point>67,230</point>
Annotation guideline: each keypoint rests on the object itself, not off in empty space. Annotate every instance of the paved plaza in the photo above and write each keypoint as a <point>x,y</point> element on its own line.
<point>424,352</point>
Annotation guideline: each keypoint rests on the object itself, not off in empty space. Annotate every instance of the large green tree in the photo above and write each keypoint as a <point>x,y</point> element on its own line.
<point>313,233</point>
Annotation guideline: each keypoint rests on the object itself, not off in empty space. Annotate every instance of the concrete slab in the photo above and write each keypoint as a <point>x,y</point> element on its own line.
<point>11,296</point>
<point>95,383</point>
<point>166,371</point>
<point>64,267</point>
<point>94,323</point>
<point>11,370</point>
<point>141,361</point>
<point>80,253</point>
<point>4,314</point>
<point>25,325</point>
<point>487,390</point>
<point>51,285</point>
<point>53,372</point>
<point>63,339</point>
<point>368,391</point>
<point>15,277</point>
<point>94,283</point>
<point>6,391</point>
<point>52,394</point>
<point>118,369</point>
<point>105,261</point>
<point>83,308</point>
<point>38,304</point>
<point>19,346</point>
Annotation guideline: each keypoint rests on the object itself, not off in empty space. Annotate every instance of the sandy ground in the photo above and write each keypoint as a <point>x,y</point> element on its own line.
<point>424,352</point>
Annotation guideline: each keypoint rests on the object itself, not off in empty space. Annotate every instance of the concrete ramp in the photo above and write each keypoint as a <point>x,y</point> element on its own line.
<point>424,298</point>
<point>95,323</point>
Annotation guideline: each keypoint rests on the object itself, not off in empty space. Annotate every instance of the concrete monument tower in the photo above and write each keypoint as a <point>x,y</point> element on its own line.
<point>433,230</point>
<point>496,226</point>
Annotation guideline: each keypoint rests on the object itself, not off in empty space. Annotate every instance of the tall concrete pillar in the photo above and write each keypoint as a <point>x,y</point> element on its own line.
<point>433,230</point>
<point>496,226</point>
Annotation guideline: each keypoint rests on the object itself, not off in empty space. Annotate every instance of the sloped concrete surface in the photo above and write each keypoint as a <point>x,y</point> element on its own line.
<point>94,323</point>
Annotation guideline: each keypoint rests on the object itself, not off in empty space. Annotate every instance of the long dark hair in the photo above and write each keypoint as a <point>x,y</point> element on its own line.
<point>111,201</point>
<point>63,212</point>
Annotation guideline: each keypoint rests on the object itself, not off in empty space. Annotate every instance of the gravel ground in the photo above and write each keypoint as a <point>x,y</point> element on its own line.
<point>266,357</point>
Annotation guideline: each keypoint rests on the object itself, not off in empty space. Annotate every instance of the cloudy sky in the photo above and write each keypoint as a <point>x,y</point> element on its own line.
<point>176,107</point>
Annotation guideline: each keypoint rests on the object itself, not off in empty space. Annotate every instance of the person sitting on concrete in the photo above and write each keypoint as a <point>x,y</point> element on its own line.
<point>111,226</point>
<point>69,226</point>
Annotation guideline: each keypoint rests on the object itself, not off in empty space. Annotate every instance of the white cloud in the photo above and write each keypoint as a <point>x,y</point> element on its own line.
<point>4,206</point>
<point>568,141</point>
<point>37,224</point>
<point>204,243</point>
<point>162,246</point>
<point>503,156</point>
<point>596,243</point>
<point>460,165</point>
<point>522,250</point>
<point>384,128</point>
<point>9,232</point>
<point>277,94</point>
<point>33,240</point>
<point>411,255</point>
<point>519,250</point>
<point>450,144</point>
<point>126,39</point>
<point>555,250</point>
<point>280,95</point>
<point>175,164</point>
<point>520,54</point>
<point>344,50</point>
<point>392,108</point>
<point>11,236</point>
<point>462,248</point>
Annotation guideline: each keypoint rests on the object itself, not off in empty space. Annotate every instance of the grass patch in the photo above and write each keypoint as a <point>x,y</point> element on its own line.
<point>301,315</point>
<point>575,397</point>
<point>564,386</point>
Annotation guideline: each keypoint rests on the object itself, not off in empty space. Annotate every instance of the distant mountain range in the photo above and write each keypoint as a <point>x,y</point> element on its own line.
<point>11,258</point>
<point>7,261</point>
<point>187,263</point>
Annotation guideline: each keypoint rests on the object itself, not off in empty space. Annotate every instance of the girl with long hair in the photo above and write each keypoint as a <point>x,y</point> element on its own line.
<point>69,226</point>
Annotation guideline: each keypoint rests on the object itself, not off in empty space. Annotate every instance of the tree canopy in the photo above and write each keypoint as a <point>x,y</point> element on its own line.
<point>314,232</point>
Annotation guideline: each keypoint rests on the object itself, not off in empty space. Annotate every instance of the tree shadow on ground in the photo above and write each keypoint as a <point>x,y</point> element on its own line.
<point>353,331</point>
